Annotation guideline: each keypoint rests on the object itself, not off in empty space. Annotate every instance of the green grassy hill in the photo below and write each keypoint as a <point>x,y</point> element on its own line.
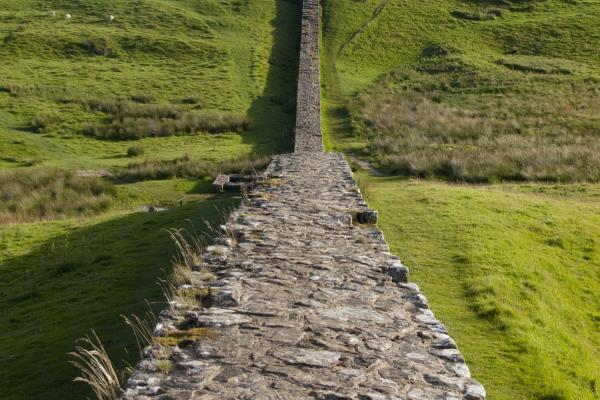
<point>490,104</point>
<point>185,71</point>
<point>502,95</point>
<point>467,90</point>
<point>204,56</point>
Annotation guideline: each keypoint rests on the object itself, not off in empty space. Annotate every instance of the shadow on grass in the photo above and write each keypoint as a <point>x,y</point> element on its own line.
<point>273,113</point>
<point>78,280</point>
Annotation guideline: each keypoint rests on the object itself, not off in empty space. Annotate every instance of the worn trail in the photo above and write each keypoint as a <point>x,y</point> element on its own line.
<point>308,303</point>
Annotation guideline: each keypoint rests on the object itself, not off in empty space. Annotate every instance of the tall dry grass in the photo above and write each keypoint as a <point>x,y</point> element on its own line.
<point>127,120</point>
<point>38,193</point>
<point>185,167</point>
<point>96,368</point>
<point>180,288</point>
<point>503,132</point>
<point>131,128</point>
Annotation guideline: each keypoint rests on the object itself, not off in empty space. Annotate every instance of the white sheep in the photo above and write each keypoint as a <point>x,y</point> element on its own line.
<point>111,18</point>
<point>52,13</point>
<point>67,16</point>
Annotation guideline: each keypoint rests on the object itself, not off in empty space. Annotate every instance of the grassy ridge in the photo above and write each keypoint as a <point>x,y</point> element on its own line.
<point>402,30</point>
<point>483,91</point>
<point>169,67</point>
<point>469,91</point>
<point>512,271</point>
<point>233,57</point>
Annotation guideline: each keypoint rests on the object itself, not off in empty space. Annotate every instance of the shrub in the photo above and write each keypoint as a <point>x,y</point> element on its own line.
<point>41,122</point>
<point>102,47</point>
<point>46,193</point>
<point>143,98</point>
<point>135,151</point>
<point>191,100</point>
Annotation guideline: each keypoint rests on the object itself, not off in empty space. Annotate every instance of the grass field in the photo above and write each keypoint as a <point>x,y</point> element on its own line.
<point>204,56</point>
<point>446,90</point>
<point>513,272</point>
<point>203,84</point>
<point>471,91</point>
<point>483,92</point>
<point>59,279</point>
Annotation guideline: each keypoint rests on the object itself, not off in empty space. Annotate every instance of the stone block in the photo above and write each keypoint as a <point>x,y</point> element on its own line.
<point>398,272</point>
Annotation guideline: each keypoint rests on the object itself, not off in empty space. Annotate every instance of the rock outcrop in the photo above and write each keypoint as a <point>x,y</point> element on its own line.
<point>308,302</point>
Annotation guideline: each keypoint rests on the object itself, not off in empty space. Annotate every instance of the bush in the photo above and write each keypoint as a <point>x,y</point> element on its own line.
<point>184,167</point>
<point>135,151</point>
<point>102,47</point>
<point>143,98</point>
<point>42,193</point>
<point>191,100</point>
<point>42,122</point>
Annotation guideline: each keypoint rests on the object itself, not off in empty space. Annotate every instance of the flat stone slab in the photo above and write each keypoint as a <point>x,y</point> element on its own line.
<point>312,358</point>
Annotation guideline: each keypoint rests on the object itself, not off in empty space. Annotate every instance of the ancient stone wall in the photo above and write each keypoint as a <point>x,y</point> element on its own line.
<point>308,302</point>
<point>308,114</point>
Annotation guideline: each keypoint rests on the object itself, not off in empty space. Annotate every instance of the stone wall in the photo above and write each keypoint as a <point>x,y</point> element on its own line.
<point>308,302</point>
<point>308,114</point>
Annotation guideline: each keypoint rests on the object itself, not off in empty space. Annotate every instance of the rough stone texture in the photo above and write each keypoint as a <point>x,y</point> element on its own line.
<point>308,114</point>
<point>304,306</point>
<point>308,303</point>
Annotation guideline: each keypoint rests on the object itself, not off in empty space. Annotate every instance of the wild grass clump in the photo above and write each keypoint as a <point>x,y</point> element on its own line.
<point>185,167</point>
<point>102,46</point>
<point>470,127</point>
<point>482,15</point>
<point>45,193</point>
<point>135,151</point>
<point>120,109</point>
<point>194,100</point>
<point>96,368</point>
<point>364,185</point>
<point>131,128</point>
<point>128,120</point>
<point>60,93</point>
<point>538,65</point>
<point>144,98</point>
<point>41,122</point>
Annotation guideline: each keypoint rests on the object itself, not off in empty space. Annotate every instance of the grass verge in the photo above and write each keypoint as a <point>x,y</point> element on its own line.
<point>59,279</point>
<point>512,270</point>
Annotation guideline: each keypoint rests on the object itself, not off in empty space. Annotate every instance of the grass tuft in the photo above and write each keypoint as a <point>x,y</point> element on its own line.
<point>135,151</point>
<point>46,193</point>
<point>96,368</point>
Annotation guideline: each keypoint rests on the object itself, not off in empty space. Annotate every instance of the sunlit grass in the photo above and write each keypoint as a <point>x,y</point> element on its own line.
<point>512,271</point>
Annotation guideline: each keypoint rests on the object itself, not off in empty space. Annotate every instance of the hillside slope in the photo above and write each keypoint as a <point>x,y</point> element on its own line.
<point>463,90</point>
<point>185,69</point>
<point>483,92</point>
<point>208,57</point>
